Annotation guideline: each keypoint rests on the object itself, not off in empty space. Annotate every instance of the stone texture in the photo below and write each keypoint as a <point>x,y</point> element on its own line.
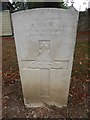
<point>45,41</point>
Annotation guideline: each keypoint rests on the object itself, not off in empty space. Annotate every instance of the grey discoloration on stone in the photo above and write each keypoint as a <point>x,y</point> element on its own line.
<point>45,41</point>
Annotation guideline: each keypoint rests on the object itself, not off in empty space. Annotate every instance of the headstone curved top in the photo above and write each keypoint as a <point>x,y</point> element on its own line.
<point>45,41</point>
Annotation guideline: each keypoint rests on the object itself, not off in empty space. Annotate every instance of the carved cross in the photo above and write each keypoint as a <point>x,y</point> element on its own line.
<point>44,63</point>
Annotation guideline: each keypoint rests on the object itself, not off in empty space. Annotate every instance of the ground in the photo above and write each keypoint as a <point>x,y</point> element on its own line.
<point>13,105</point>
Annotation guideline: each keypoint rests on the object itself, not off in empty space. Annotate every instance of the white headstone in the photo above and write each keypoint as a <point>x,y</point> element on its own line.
<point>45,41</point>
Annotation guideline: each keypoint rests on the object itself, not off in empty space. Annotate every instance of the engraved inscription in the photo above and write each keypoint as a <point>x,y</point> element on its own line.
<point>49,25</point>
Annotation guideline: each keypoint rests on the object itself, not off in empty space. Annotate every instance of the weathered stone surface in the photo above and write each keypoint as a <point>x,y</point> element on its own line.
<point>45,40</point>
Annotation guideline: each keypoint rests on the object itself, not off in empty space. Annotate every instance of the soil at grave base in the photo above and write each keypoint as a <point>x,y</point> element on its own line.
<point>13,106</point>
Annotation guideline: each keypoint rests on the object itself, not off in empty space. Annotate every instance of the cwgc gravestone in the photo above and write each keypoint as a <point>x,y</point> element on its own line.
<point>45,41</point>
